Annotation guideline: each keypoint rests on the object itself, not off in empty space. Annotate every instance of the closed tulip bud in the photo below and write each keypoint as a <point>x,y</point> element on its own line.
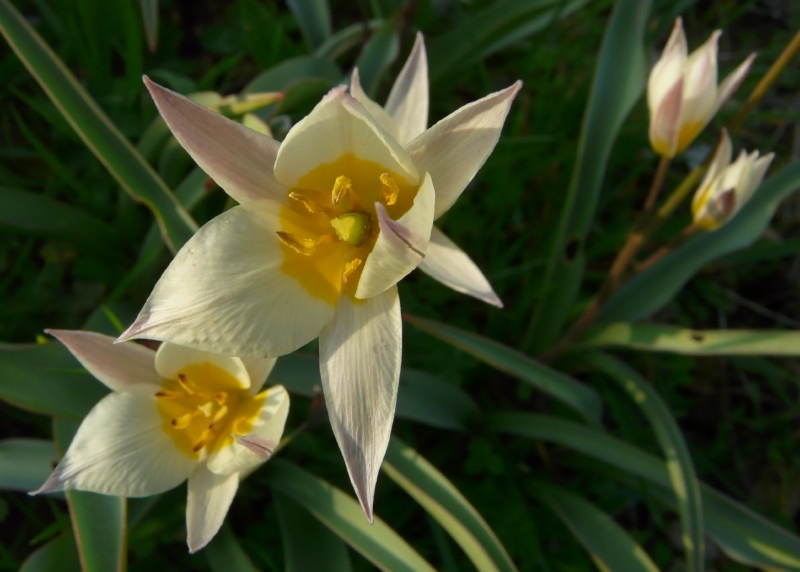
<point>682,91</point>
<point>727,186</point>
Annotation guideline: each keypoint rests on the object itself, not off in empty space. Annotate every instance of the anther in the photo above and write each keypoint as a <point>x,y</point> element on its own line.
<point>185,384</point>
<point>310,205</point>
<point>223,411</point>
<point>340,187</point>
<point>350,268</point>
<point>221,398</point>
<point>300,245</point>
<point>168,394</point>
<point>390,190</point>
<point>183,421</point>
<point>205,437</point>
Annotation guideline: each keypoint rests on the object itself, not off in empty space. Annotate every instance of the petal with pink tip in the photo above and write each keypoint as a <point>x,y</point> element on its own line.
<point>408,99</point>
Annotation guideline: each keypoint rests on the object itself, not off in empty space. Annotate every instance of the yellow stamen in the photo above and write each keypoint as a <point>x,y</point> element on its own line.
<point>183,421</point>
<point>340,187</point>
<point>299,245</point>
<point>221,398</point>
<point>350,268</point>
<point>185,384</point>
<point>223,411</point>
<point>206,409</point>
<point>390,189</point>
<point>310,205</point>
<point>205,437</point>
<point>169,394</point>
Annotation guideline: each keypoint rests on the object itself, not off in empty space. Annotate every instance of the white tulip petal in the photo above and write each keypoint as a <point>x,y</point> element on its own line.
<point>360,366</point>
<point>722,158</point>
<point>668,69</point>
<point>665,122</point>
<point>377,112</point>
<point>401,244</point>
<point>339,125</point>
<point>171,359</point>
<point>118,366</point>
<point>225,293</point>
<point>700,84</point>
<point>210,497</point>
<point>122,449</point>
<point>731,83</point>
<point>455,148</point>
<point>755,174</point>
<point>257,446</point>
<point>259,370</point>
<point>408,100</point>
<point>736,172</point>
<point>447,263</point>
<point>239,159</point>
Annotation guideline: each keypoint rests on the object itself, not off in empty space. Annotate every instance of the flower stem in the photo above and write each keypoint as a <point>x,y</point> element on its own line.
<point>667,248</point>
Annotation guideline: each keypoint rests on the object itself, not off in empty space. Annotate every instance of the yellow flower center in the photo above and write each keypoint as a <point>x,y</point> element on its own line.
<point>204,407</point>
<point>329,228</point>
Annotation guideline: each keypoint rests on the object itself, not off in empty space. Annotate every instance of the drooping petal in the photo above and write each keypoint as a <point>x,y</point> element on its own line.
<point>665,121</point>
<point>259,370</point>
<point>668,69</point>
<point>225,292</point>
<point>339,125</point>
<point>377,112</point>
<point>171,359</point>
<point>401,244</point>
<point>257,445</point>
<point>122,449</point>
<point>408,100</point>
<point>210,497</point>
<point>731,83</point>
<point>118,366</point>
<point>239,159</point>
<point>447,263</point>
<point>699,90</point>
<point>455,148</point>
<point>360,365</point>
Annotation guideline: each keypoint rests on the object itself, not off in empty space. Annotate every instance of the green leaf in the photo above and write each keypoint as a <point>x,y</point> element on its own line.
<point>346,39</point>
<point>150,19</point>
<point>314,17</point>
<point>437,495</point>
<point>742,534</point>
<point>343,515</point>
<point>674,339</point>
<point>618,82</point>
<point>45,378</point>
<point>58,555</point>
<point>293,70</point>
<point>25,463</point>
<point>99,521</point>
<point>225,554</point>
<point>609,545</point>
<point>307,543</point>
<point>653,288</point>
<point>94,127</point>
<point>377,55</point>
<point>578,396</point>
<point>681,469</point>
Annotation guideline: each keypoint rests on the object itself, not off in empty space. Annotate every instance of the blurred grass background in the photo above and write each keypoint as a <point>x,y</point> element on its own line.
<point>70,237</point>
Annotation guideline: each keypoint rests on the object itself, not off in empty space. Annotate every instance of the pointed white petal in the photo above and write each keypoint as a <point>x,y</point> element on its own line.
<point>454,149</point>
<point>339,125</point>
<point>122,449</point>
<point>665,121</point>
<point>225,293</point>
<point>259,370</point>
<point>700,84</point>
<point>731,83</point>
<point>401,244</point>
<point>758,168</point>
<point>359,359</point>
<point>668,69</point>
<point>447,263</point>
<point>377,112</point>
<point>721,160</point>
<point>118,366</point>
<point>408,100</point>
<point>258,445</point>
<point>239,159</point>
<point>171,359</point>
<point>210,497</point>
<point>736,172</point>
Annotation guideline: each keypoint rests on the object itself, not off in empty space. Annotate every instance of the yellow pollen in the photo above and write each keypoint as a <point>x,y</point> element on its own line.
<point>183,421</point>
<point>310,205</point>
<point>350,268</point>
<point>390,190</point>
<point>300,245</point>
<point>340,187</point>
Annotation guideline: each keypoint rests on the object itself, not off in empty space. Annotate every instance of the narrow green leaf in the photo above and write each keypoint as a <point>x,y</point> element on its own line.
<point>681,469</point>
<point>287,73</point>
<point>225,554</point>
<point>377,55</point>
<point>609,545</point>
<point>314,17</point>
<point>150,19</point>
<point>674,339</point>
<point>580,397</point>
<point>742,534</point>
<point>307,543</point>
<point>342,514</point>
<point>58,555</point>
<point>437,495</point>
<point>25,463</point>
<point>618,82</point>
<point>45,378</point>
<point>346,39</point>
<point>653,288</point>
<point>94,127</point>
<point>99,521</point>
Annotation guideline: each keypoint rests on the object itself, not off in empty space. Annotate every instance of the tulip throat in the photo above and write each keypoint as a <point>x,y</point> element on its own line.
<point>203,407</point>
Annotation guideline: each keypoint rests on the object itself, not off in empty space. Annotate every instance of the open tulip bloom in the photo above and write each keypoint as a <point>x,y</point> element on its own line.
<point>682,91</point>
<point>173,415</point>
<point>727,186</point>
<point>329,221</point>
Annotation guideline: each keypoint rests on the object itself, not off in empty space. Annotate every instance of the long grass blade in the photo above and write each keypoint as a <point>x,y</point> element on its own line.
<point>25,463</point>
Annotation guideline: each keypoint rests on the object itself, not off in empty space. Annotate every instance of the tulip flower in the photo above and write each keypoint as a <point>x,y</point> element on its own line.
<point>329,221</point>
<point>682,91</point>
<point>172,415</point>
<point>727,187</point>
